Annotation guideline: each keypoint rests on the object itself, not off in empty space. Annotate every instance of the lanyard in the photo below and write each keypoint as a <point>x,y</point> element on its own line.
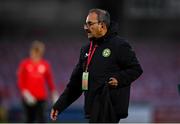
<point>90,54</point>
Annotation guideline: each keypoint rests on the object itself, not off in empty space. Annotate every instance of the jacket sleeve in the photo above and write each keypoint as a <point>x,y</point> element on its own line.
<point>73,89</point>
<point>129,67</point>
<point>21,77</point>
<point>49,77</point>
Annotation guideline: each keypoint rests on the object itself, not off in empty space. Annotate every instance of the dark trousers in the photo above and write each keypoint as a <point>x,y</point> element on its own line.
<point>35,113</point>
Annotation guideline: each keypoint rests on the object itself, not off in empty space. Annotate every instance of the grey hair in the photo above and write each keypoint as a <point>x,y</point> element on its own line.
<point>103,16</point>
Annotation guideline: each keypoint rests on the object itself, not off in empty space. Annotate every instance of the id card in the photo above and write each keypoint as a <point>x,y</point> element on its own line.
<point>85,80</point>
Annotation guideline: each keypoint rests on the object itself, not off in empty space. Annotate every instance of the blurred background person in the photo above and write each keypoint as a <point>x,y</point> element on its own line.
<point>32,74</point>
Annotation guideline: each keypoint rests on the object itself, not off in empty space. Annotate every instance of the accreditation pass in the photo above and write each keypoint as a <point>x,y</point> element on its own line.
<point>85,80</point>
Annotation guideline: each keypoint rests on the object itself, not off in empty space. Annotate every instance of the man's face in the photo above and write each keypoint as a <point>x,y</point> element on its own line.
<point>36,53</point>
<point>92,26</point>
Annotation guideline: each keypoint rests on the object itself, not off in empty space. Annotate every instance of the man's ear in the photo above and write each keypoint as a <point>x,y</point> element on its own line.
<point>103,25</point>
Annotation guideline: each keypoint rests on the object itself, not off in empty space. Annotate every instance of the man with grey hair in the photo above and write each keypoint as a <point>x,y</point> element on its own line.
<point>107,66</point>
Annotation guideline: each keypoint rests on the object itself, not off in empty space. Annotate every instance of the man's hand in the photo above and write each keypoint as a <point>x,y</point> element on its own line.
<point>113,82</point>
<point>54,114</point>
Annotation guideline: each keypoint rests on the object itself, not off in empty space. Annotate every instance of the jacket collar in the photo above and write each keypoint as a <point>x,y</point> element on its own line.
<point>112,31</point>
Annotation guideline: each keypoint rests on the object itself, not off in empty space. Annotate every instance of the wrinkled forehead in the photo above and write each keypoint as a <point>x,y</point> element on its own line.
<point>92,17</point>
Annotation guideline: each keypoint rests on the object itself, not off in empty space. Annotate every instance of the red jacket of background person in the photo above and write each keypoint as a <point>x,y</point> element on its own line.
<point>34,76</point>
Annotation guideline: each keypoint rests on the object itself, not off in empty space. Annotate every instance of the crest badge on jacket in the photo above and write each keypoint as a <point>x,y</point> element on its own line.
<point>106,52</point>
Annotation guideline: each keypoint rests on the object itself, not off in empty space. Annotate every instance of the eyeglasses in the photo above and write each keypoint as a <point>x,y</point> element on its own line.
<point>89,24</point>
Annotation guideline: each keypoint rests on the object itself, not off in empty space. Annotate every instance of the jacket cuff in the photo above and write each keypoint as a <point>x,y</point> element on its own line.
<point>56,107</point>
